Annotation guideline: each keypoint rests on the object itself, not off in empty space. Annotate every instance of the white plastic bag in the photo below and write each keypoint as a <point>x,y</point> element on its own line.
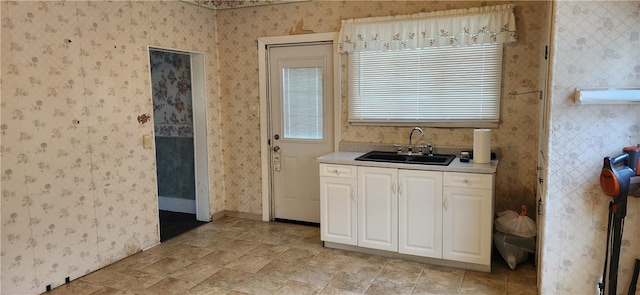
<point>511,253</point>
<point>510,222</point>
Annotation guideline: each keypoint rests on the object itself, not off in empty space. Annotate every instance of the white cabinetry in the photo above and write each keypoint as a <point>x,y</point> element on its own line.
<point>445,216</point>
<point>467,217</point>
<point>400,210</point>
<point>420,213</point>
<point>338,210</point>
<point>378,208</point>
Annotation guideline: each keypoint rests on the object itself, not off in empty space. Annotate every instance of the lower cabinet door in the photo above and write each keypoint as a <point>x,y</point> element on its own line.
<point>467,220</point>
<point>378,208</point>
<point>338,210</point>
<point>420,213</point>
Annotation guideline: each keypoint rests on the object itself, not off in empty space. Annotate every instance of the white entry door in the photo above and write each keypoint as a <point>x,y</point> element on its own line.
<point>301,95</point>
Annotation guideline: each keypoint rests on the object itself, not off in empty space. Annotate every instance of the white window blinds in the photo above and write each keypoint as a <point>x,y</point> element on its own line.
<point>434,85</point>
<point>302,102</point>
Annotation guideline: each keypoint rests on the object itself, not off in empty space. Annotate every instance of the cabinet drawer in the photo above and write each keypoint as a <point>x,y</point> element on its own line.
<point>333,170</point>
<point>468,180</point>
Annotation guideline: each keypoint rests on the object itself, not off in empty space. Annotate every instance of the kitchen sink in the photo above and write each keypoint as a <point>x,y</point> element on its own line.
<point>393,157</point>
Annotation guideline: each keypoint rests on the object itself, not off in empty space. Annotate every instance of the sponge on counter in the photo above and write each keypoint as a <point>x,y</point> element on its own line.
<point>464,156</point>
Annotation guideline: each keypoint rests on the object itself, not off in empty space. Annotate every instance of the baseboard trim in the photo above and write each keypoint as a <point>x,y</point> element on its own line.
<point>307,223</point>
<point>244,215</point>
<point>217,215</point>
<point>177,205</point>
<point>147,248</point>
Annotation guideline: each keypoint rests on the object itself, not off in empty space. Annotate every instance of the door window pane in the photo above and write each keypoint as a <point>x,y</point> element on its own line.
<point>302,102</point>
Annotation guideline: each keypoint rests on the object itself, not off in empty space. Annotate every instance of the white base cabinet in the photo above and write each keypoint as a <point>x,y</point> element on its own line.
<point>431,214</point>
<point>467,217</point>
<point>338,209</point>
<point>378,208</point>
<point>420,213</point>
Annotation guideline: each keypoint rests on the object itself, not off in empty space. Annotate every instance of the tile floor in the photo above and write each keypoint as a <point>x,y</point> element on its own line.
<point>242,256</point>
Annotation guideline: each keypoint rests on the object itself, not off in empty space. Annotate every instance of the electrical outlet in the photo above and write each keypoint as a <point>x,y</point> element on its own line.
<point>254,111</point>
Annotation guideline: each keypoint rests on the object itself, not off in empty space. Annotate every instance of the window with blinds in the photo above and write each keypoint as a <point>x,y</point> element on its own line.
<point>302,102</point>
<point>450,86</point>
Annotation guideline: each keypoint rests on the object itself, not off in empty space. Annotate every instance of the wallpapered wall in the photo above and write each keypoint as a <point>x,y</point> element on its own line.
<point>516,135</point>
<point>78,189</point>
<point>171,90</point>
<point>596,44</point>
<point>173,124</point>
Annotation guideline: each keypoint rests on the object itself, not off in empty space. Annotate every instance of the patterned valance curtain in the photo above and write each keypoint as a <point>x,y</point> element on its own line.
<point>460,27</point>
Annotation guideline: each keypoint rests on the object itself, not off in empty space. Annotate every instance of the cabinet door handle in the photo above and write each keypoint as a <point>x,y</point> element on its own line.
<point>393,188</point>
<point>353,194</point>
<point>399,189</point>
<point>444,203</point>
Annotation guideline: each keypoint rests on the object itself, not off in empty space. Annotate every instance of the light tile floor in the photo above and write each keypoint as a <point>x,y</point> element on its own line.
<point>242,256</point>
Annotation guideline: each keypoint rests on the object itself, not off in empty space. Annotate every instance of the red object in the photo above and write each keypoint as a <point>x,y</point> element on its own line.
<point>143,118</point>
<point>609,183</point>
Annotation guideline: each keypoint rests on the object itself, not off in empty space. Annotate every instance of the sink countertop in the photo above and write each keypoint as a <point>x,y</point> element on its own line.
<point>348,158</point>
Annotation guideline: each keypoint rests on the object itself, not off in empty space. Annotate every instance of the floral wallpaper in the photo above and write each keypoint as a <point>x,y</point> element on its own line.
<point>596,44</point>
<point>78,189</point>
<point>171,89</point>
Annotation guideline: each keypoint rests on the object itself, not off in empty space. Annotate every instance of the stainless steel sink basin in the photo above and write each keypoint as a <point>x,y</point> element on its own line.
<point>393,157</point>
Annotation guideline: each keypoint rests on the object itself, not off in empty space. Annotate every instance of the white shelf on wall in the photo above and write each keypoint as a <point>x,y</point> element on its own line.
<point>607,95</point>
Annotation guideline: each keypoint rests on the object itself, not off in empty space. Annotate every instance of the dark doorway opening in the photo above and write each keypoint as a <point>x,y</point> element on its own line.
<point>175,223</point>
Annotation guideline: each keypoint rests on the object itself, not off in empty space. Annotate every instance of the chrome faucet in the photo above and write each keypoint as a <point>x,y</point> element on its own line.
<point>410,148</point>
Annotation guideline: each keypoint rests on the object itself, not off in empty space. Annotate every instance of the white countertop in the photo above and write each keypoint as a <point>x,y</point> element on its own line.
<point>348,158</point>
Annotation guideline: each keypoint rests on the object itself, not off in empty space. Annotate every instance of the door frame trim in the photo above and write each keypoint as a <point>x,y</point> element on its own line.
<point>200,148</point>
<point>265,154</point>
<point>543,143</point>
